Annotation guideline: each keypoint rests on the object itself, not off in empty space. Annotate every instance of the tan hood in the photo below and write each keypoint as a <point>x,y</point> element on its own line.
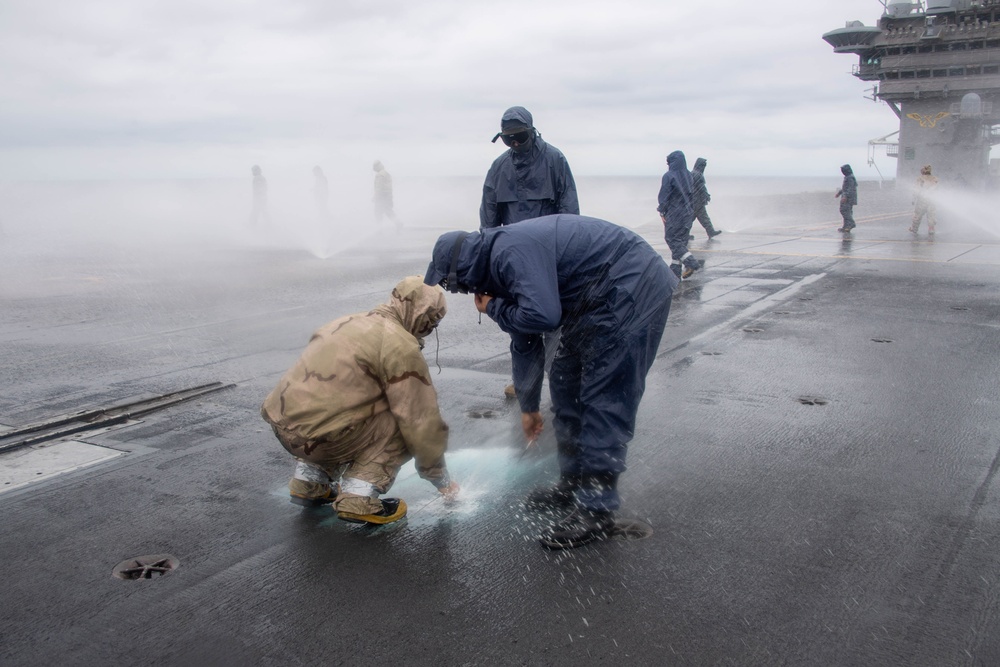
<point>416,306</point>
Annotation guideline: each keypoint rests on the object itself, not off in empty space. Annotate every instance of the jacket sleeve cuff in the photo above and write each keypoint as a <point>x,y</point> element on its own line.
<point>442,482</point>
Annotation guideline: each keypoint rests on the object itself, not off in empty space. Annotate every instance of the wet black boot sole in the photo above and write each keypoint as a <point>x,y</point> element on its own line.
<point>579,528</point>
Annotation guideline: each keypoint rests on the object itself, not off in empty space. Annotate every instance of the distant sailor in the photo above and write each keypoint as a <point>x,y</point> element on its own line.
<point>259,211</point>
<point>700,198</point>
<point>676,210</point>
<point>321,193</point>
<point>848,194</point>
<point>923,202</point>
<point>382,197</point>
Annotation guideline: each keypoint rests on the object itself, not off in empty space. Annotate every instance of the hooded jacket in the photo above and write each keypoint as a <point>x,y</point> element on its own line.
<point>364,364</point>
<point>676,190</point>
<point>520,186</point>
<point>591,277</point>
<point>699,191</point>
<point>926,182</point>
<point>849,189</point>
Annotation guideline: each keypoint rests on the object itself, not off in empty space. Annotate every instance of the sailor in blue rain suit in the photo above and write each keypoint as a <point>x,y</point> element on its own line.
<point>848,194</point>
<point>676,210</point>
<point>529,180</point>
<point>610,292</point>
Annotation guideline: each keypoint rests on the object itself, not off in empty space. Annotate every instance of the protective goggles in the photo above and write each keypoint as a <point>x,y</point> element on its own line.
<point>516,138</point>
<point>454,287</point>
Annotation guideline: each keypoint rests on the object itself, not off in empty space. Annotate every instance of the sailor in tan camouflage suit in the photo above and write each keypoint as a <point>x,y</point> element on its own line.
<point>359,403</point>
<point>923,201</point>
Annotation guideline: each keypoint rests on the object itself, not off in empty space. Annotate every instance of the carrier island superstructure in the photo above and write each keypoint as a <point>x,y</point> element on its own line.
<point>936,64</point>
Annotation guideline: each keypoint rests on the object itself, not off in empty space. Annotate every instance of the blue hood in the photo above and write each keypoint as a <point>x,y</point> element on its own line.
<point>676,161</point>
<point>676,189</point>
<point>515,117</point>
<point>470,276</point>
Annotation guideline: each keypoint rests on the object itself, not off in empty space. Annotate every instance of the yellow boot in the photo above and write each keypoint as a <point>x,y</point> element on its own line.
<point>393,509</point>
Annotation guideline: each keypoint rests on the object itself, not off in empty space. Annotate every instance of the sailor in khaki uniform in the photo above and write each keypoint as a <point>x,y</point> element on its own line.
<point>359,403</point>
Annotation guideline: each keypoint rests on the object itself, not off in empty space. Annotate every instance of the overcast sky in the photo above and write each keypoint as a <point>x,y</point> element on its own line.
<point>185,88</point>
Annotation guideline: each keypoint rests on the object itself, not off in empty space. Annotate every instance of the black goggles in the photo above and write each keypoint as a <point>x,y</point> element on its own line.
<point>458,287</point>
<point>516,138</point>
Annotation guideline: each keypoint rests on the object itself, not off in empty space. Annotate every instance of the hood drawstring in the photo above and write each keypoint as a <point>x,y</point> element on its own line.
<point>437,349</point>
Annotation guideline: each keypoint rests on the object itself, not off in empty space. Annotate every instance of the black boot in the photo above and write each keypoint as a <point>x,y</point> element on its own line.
<point>690,266</point>
<point>712,231</point>
<point>581,526</point>
<point>558,497</point>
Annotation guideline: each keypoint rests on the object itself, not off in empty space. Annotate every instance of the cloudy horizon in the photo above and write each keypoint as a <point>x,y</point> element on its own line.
<point>113,89</point>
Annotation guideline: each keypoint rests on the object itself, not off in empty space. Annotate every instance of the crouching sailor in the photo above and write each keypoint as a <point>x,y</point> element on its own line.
<point>359,403</point>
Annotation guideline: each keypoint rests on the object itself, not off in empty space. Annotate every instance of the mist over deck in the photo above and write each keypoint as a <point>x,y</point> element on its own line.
<point>816,452</point>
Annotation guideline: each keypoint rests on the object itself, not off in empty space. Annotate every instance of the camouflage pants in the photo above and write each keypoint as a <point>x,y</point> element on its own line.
<point>368,455</point>
<point>921,209</point>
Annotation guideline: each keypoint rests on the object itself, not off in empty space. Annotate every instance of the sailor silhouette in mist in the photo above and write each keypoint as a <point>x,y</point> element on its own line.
<point>923,202</point>
<point>321,193</point>
<point>382,197</point>
<point>259,211</point>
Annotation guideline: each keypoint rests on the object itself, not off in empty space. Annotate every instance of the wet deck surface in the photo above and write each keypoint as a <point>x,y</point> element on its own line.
<point>816,452</point>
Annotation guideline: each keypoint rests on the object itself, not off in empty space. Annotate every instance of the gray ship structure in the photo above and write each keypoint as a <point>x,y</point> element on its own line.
<point>937,66</point>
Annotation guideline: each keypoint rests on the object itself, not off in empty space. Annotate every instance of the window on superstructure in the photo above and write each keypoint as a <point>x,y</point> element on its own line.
<point>907,50</point>
<point>959,46</point>
<point>991,69</point>
<point>892,52</point>
<point>925,49</point>
<point>907,75</point>
<point>923,74</point>
<point>992,43</point>
<point>976,45</point>
<point>892,75</point>
<point>939,72</point>
<point>972,71</point>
